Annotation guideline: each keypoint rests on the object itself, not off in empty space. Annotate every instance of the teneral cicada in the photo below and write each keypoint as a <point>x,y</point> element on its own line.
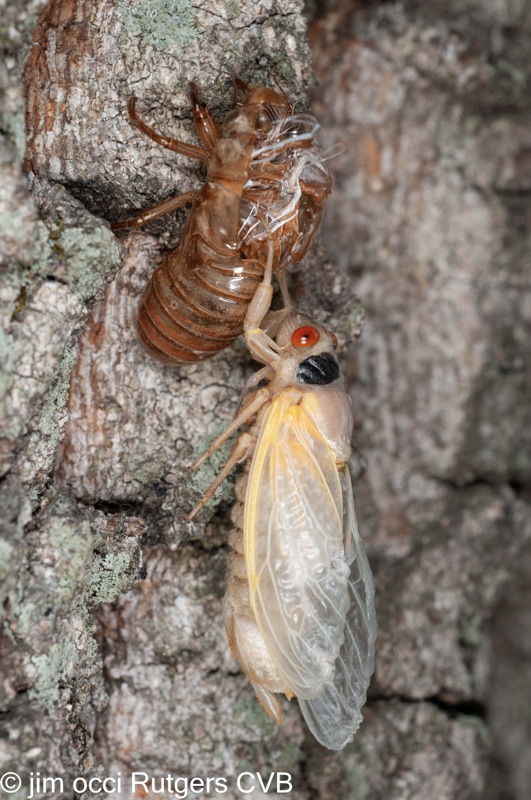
<point>266,185</point>
<point>299,607</point>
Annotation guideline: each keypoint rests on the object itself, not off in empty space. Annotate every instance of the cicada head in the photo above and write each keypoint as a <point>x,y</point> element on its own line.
<point>304,336</point>
<point>309,353</point>
<point>269,105</point>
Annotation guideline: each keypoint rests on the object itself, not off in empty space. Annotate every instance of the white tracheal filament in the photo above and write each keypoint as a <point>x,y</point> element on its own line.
<point>290,144</point>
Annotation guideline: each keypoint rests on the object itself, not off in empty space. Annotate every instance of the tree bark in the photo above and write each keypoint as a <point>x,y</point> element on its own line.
<point>430,215</point>
<point>114,659</point>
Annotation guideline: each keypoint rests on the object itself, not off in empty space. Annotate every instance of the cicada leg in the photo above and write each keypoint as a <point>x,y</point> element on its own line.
<point>261,346</point>
<point>157,211</point>
<point>284,291</point>
<point>239,452</point>
<point>237,83</point>
<point>247,412</point>
<point>185,149</point>
<point>206,128</point>
<point>262,374</point>
<point>284,95</point>
<point>274,319</point>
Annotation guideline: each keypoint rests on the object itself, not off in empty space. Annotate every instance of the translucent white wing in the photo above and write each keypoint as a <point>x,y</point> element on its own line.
<point>334,715</point>
<point>295,551</point>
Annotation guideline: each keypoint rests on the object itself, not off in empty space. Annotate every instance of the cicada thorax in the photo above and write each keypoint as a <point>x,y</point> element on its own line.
<point>287,188</point>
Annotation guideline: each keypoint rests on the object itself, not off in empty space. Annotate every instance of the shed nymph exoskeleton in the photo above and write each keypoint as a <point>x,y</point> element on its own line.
<point>266,181</point>
<point>299,606</point>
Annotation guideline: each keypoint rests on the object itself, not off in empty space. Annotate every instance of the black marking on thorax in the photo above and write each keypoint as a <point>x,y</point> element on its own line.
<point>318,370</point>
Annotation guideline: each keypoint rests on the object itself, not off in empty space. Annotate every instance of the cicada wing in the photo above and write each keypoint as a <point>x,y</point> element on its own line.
<point>334,715</point>
<point>294,543</point>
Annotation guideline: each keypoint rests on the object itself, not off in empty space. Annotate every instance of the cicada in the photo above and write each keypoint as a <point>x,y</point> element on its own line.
<point>299,606</point>
<point>266,184</point>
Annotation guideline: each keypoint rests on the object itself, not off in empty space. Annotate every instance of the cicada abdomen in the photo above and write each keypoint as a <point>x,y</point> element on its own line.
<point>266,185</point>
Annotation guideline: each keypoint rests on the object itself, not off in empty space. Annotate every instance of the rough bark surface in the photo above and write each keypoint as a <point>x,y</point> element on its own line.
<point>113,655</point>
<point>430,215</point>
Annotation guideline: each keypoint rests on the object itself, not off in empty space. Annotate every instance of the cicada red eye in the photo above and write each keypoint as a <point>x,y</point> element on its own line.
<point>305,336</point>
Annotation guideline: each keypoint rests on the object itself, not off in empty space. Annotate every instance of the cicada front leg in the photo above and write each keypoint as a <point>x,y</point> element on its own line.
<point>206,128</point>
<point>261,346</point>
<point>185,149</point>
